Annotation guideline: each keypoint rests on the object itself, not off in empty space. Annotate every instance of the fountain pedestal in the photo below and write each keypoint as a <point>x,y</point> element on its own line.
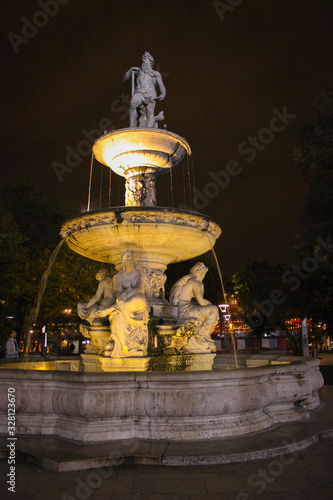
<point>140,155</point>
<point>157,236</point>
<point>166,362</point>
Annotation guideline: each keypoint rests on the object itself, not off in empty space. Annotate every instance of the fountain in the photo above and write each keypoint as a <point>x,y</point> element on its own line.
<point>151,371</point>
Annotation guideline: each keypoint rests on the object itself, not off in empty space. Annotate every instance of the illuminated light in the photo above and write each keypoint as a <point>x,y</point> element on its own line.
<point>223,307</point>
<point>145,150</point>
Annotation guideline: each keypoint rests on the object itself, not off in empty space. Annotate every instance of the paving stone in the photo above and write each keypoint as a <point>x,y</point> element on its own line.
<point>281,495</point>
<point>168,485</point>
<point>138,470</point>
<point>3,467</point>
<point>221,495</point>
<point>248,495</point>
<point>306,466</point>
<point>321,480</point>
<point>118,485</point>
<point>320,495</point>
<point>241,468</point>
<point>150,496</point>
<point>198,470</point>
<point>226,483</point>
<point>285,482</point>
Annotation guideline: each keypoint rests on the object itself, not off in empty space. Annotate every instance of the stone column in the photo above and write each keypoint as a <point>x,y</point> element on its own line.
<point>140,190</point>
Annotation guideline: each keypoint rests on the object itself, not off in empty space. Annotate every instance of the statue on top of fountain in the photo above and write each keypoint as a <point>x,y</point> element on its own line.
<point>188,295</point>
<point>92,311</point>
<point>144,96</point>
<point>129,315</point>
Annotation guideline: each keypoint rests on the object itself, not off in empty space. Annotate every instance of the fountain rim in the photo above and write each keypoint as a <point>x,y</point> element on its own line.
<point>131,208</point>
<point>299,363</point>
<point>142,131</point>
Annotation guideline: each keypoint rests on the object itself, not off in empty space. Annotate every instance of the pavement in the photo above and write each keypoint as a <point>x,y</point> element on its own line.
<point>288,461</point>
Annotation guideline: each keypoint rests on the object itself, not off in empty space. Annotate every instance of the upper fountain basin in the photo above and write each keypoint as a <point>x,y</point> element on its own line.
<point>159,236</point>
<point>138,150</point>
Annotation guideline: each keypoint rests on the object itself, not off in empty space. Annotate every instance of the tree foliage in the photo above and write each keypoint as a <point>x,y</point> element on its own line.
<point>314,156</point>
<point>29,233</point>
<point>314,150</point>
<point>266,300</point>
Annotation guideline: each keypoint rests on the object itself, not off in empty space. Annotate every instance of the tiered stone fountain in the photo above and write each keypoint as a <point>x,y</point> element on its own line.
<point>150,237</point>
<point>153,355</point>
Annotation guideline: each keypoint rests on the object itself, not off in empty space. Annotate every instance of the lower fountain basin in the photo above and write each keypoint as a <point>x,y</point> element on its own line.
<point>159,236</point>
<point>92,407</point>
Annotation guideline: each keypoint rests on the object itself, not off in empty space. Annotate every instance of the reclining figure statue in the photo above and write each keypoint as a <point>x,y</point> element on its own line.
<point>188,295</point>
<point>91,310</point>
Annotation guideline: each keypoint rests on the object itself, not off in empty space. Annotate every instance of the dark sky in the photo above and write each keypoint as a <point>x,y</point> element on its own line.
<point>223,78</point>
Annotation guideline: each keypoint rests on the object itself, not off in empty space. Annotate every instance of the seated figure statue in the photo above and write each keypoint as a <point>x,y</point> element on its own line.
<point>93,311</point>
<point>188,295</point>
<point>130,314</point>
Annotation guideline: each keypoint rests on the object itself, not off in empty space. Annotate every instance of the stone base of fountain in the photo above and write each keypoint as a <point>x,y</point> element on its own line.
<point>98,337</point>
<point>167,362</point>
<point>94,363</point>
<point>174,405</point>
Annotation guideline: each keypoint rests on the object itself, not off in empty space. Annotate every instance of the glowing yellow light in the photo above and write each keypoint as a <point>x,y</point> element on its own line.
<point>128,149</point>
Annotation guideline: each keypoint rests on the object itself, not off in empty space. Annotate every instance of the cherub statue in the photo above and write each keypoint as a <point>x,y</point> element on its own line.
<point>188,295</point>
<point>144,94</point>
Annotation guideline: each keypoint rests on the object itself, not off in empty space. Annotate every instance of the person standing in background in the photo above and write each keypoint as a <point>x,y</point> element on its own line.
<point>11,346</point>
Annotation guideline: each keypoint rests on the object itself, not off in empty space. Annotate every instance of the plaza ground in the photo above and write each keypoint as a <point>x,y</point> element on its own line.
<point>308,475</point>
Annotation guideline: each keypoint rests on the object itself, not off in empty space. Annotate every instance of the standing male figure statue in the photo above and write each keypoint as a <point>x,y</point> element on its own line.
<point>144,96</point>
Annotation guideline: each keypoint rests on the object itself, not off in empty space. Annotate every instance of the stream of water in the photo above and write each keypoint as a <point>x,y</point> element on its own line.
<point>35,310</point>
<point>223,291</point>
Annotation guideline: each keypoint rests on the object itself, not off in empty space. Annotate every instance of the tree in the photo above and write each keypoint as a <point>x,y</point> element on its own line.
<point>314,156</point>
<point>29,230</point>
<point>265,299</point>
<point>314,149</point>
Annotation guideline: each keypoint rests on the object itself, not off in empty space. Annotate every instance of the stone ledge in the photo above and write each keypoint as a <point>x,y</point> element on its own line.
<point>62,455</point>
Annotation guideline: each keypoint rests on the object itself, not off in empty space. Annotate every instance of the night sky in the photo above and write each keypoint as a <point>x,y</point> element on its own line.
<point>224,72</point>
